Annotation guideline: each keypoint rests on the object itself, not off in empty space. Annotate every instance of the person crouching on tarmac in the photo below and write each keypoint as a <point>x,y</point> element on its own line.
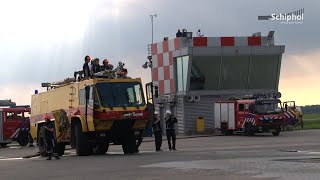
<point>170,130</point>
<point>157,131</point>
<point>49,137</point>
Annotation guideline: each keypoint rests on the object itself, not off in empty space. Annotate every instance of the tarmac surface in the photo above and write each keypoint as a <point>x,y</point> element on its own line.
<point>293,155</point>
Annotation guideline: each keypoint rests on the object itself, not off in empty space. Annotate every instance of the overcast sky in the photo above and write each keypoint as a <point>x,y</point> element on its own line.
<point>44,40</point>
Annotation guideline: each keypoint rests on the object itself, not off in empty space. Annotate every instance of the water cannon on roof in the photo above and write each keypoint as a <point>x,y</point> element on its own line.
<point>270,35</point>
<point>7,102</point>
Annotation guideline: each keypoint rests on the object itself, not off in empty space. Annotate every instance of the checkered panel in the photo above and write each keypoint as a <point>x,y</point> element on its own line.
<point>162,63</point>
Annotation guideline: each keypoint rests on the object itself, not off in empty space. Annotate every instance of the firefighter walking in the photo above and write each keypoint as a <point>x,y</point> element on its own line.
<point>170,130</point>
<point>49,137</point>
<point>157,131</point>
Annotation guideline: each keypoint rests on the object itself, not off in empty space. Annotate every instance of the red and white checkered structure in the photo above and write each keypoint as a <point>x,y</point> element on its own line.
<point>163,55</point>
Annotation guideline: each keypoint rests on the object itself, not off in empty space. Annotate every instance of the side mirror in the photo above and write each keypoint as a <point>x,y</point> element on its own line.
<point>252,108</point>
<point>87,89</point>
<point>156,91</point>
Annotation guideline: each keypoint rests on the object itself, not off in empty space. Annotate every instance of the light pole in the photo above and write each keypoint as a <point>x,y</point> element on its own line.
<point>148,64</point>
<point>152,16</point>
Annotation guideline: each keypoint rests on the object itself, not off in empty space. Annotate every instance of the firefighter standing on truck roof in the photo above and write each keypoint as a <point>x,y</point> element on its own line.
<point>170,129</point>
<point>86,69</point>
<point>95,66</point>
<point>49,137</point>
<point>157,131</point>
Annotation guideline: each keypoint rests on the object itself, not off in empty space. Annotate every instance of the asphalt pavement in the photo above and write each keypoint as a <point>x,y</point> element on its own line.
<point>293,155</point>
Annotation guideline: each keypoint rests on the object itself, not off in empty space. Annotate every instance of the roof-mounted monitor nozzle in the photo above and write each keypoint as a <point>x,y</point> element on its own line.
<point>45,85</point>
<point>270,35</point>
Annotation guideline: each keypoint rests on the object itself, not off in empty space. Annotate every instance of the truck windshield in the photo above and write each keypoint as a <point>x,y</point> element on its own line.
<point>268,107</point>
<point>126,94</point>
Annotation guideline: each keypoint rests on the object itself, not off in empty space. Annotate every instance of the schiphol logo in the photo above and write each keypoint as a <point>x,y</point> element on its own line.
<point>295,17</point>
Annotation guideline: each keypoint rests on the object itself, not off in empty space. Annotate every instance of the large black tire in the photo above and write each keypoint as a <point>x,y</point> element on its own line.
<point>224,130</point>
<point>3,145</point>
<point>277,132</point>
<point>128,142</point>
<point>101,148</point>
<point>82,144</point>
<point>249,130</point>
<point>60,148</point>
<point>73,138</point>
<point>23,138</point>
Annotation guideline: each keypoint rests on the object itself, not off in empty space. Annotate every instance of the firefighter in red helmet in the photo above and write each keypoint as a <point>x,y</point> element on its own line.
<point>49,137</point>
<point>106,66</point>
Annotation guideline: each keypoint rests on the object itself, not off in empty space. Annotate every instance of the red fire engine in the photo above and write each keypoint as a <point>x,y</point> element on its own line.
<point>14,123</point>
<point>249,116</point>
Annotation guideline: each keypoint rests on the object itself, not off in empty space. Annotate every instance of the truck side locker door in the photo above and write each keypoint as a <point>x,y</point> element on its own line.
<point>224,113</point>
<point>240,115</point>
<point>90,111</point>
<point>10,128</point>
<point>217,115</point>
<point>231,116</point>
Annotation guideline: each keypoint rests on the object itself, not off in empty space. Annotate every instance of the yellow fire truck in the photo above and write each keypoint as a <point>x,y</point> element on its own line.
<point>90,114</point>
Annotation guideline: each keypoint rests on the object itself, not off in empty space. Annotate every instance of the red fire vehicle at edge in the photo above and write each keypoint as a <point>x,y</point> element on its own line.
<point>14,124</point>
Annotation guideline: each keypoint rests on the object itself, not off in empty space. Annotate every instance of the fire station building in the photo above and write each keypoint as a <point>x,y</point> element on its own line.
<point>192,72</point>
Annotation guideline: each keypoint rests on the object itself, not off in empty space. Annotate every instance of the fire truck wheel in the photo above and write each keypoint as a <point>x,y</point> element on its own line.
<point>128,142</point>
<point>101,148</point>
<point>276,133</point>
<point>248,130</point>
<point>23,139</point>
<point>60,148</point>
<point>3,145</point>
<point>82,144</point>
<point>224,130</point>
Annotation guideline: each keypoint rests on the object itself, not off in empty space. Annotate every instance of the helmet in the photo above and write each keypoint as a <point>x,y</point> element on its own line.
<point>156,113</point>
<point>105,61</point>
<point>87,57</point>
<point>47,116</point>
<point>168,112</point>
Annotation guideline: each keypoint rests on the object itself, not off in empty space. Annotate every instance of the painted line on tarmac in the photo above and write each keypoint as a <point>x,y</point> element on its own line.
<point>10,159</point>
<point>309,152</point>
<point>15,147</point>
<point>73,153</point>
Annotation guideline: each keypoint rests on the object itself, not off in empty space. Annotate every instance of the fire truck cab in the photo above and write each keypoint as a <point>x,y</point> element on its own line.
<point>249,116</point>
<point>14,125</point>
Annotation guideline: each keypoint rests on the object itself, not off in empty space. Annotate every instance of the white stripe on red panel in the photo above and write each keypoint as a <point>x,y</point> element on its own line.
<point>159,48</point>
<point>167,86</point>
<point>171,71</point>
<point>241,41</point>
<point>166,59</point>
<point>155,61</point>
<point>214,41</point>
<point>161,73</point>
<point>171,45</point>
